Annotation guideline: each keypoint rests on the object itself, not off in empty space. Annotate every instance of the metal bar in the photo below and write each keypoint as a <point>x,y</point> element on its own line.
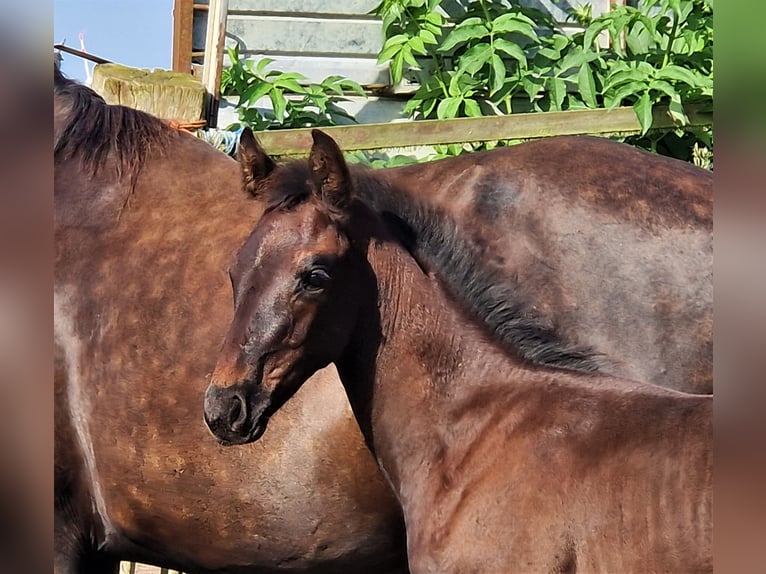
<point>81,54</point>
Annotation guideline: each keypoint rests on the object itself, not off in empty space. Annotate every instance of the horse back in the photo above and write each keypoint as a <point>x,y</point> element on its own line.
<point>610,244</point>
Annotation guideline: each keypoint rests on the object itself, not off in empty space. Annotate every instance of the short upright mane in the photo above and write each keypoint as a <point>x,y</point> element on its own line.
<point>434,238</point>
<point>95,130</point>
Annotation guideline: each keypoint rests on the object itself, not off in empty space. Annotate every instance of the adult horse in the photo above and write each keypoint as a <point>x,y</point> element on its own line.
<point>146,220</point>
<point>502,461</point>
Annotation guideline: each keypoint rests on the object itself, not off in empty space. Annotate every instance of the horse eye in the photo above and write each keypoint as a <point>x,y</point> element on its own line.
<point>315,280</point>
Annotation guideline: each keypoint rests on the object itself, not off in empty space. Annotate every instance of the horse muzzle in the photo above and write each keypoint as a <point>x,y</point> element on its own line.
<point>231,417</point>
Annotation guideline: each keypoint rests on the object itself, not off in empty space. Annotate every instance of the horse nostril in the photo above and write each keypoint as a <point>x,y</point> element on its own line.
<point>237,412</point>
<point>226,411</point>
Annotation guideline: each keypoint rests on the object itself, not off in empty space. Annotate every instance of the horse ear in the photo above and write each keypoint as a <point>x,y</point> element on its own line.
<point>255,164</point>
<point>329,172</point>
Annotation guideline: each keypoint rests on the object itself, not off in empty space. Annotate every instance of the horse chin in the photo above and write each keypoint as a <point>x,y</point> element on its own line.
<point>258,429</point>
<point>252,435</point>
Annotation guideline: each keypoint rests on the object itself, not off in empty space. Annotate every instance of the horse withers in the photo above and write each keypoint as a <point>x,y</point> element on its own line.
<point>507,450</point>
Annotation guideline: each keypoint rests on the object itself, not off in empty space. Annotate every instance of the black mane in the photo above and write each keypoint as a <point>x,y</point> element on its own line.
<point>435,239</point>
<point>95,130</point>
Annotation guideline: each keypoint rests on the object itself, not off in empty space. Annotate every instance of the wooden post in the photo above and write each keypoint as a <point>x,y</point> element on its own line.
<point>211,74</point>
<point>183,27</point>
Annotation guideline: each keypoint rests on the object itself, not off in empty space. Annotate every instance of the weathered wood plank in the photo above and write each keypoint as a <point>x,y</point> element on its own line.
<point>488,128</point>
<point>168,95</point>
<point>183,23</point>
<point>360,7</point>
<point>211,73</point>
<point>308,36</point>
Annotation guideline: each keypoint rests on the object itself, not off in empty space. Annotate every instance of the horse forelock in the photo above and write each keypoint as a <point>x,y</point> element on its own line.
<point>486,291</point>
<point>287,186</point>
<point>94,131</point>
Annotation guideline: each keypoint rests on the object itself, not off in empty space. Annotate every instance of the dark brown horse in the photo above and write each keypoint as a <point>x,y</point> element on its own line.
<point>611,245</point>
<point>506,453</point>
<point>142,301</point>
<point>146,220</point>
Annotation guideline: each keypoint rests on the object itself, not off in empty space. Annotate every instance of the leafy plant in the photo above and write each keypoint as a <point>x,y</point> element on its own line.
<point>295,103</point>
<point>494,56</point>
<point>666,58</point>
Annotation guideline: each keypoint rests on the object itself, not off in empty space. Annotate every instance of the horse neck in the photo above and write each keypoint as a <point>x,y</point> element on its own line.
<point>415,362</point>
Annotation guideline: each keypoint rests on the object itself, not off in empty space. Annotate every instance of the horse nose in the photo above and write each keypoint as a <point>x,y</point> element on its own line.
<point>225,412</point>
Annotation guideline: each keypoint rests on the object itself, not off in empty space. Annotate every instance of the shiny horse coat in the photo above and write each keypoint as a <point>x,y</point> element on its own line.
<point>506,451</point>
<point>146,221</point>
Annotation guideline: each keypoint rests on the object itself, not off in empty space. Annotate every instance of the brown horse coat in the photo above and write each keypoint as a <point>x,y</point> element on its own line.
<point>141,304</point>
<point>611,244</point>
<point>500,465</point>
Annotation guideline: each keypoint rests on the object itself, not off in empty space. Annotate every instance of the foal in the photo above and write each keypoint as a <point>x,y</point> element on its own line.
<point>499,465</point>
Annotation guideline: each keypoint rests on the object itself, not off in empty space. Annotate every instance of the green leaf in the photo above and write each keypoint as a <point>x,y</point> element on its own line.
<point>677,112</point>
<point>624,77</point>
<point>435,18</point>
<point>614,99</point>
<point>532,86</point>
<point>417,46</point>
<point>262,63</point>
<point>279,104</point>
<point>665,88</point>
<point>396,69</point>
<point>512,22</point>
<point>397,39</point>
<point>475,58</point>
<point>643,109</point>
<point>513,50</point>
<point>575,59</point>
<point>455,88</point>
<point>558,90</point>
<point>679,74</point>
<point>428,107</point>
<point>549,53</point>
<point>289,84</point>
<point>389,52</point>
<point>587,86</point>
<point>427,37</point>
<point>498,73</point>
<point>406,54</point>
<point>448,108</point>
<point>472,108</point>
<point>593,31</point>
<point>255,92</point>
<point>463,35</point>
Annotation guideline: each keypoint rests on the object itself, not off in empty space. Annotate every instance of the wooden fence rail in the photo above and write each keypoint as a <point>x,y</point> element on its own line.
<point>621,121</point>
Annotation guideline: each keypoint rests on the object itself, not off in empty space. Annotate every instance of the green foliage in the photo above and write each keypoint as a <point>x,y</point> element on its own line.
<point>295,102</point>
<point>496,57</point>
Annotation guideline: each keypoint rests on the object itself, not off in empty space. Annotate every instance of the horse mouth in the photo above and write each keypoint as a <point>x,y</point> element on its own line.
<point>229,437</point>
<point>259,427</point>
